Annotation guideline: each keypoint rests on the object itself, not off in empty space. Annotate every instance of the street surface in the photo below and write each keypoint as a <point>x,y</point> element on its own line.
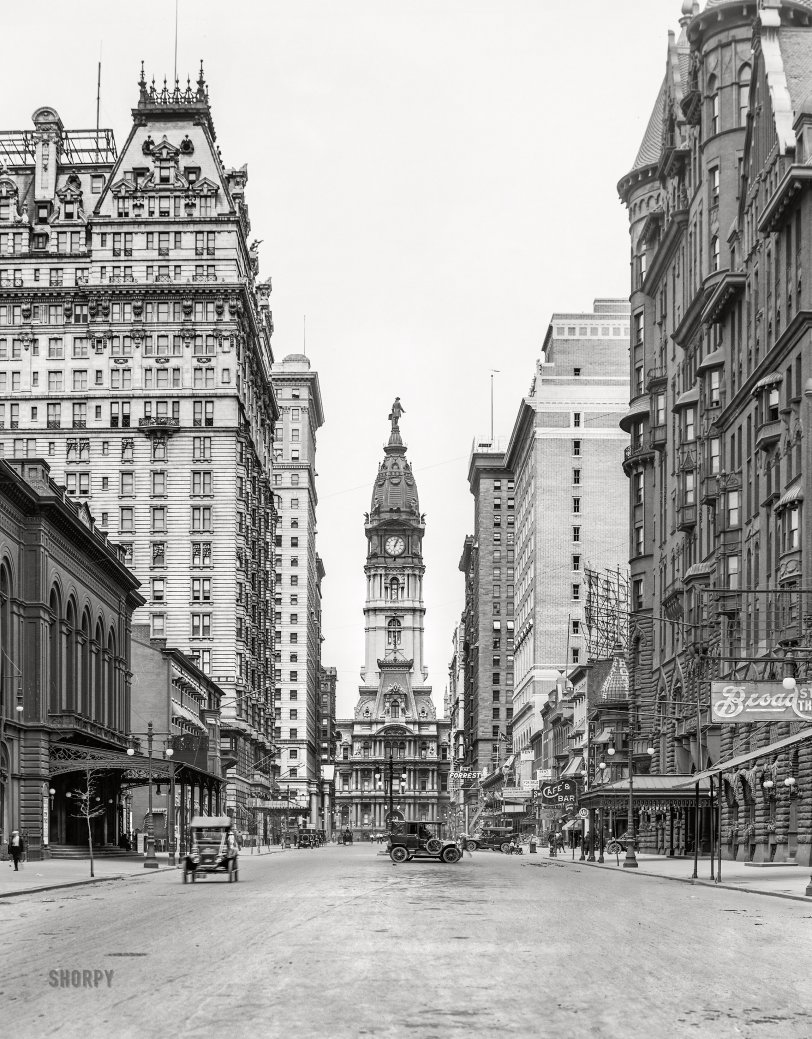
<point>338,942</point>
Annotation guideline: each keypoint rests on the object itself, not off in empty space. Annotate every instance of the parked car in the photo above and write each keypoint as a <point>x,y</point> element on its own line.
<point>491,840</point>
<point>412,839</point>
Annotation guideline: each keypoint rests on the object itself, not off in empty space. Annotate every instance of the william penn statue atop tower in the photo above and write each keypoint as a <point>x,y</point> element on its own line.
<point>395,413</point>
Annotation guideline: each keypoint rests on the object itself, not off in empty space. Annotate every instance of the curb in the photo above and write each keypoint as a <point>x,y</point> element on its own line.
<point>700,883</point>
<point>82,883</point>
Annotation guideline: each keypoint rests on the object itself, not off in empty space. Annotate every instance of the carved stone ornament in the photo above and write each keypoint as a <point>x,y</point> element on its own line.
<point>138,333</point>
<point>147,146</point>
<point>219,306</point>
<point>119,360</point>
<point>67,306</point>
<point>187,335</point>
<point>105,306</point>
<point>138,308</point>
<point>204,360</point>
<point>26,309</point>
<point>162,360</point>
<point>187,145</point>
<point>188,307</point>
<point>93,306</point>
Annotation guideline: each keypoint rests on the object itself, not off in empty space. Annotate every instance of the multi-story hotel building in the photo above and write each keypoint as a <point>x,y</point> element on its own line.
<point>721,242</point>
<point>135,356</point>
<point>395,736</point>
<point>488,565</point>
<point>570,507</point>
<point>299,573</point>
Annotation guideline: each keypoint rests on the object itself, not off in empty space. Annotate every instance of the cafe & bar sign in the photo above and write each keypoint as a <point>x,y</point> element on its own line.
<point>737,702</point>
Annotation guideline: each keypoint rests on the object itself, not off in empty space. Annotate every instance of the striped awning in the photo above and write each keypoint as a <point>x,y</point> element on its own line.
<point>768,380</point>
<point>179,711</point>
<point>790,497</point>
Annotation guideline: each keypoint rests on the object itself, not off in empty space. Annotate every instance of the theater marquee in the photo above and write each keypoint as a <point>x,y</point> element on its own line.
<point>737,702</point>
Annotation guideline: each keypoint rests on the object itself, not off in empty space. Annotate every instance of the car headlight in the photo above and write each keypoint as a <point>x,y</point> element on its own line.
<point>195,858</point>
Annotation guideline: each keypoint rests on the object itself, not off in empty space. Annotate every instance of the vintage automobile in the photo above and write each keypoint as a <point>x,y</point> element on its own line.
<point>420,840</point>
<point>495,840</point>
<point>213,848</point>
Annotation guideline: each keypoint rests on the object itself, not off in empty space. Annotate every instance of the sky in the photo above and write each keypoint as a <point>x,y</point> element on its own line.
<point>431,180</point>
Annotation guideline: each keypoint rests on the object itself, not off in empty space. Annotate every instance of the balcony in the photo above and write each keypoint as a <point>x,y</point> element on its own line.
<point>709,491</point>
<point>72,721</point>
<point>158,424</point>
<point>768,434</point>
<point>80,423</point>
<point>656,377</point>
<point>657,437</point>
<point>636,454</point>
<point>728,603</point>
<point>686,516</point>
<point>53,423</point>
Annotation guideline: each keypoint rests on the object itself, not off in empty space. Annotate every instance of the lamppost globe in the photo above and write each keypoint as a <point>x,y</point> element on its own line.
<point>130,751</point>
<point>169,752</point>
<point>789,782</point>
<point>650,751</point>
<point>789,684</point>
<point>601,765</point>
<point>768,784</point>
<point>610,751</point>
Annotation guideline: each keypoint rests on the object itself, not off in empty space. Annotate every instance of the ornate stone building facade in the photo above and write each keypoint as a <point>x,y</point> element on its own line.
<point>135,356</point>
<point>721,225</point>
<point>395,735</point>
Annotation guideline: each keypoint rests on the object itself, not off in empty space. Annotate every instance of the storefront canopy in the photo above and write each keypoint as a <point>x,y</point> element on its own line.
<point>743,759</point>
<point>653,793</point>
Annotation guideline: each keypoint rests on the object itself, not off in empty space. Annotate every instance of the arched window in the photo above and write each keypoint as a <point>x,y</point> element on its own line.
<point>71,683</point>
<point>111,717</point>
<point>394,589</point>
<point>402,750</point>
<point>713,106</point>
<point>98,675</point>
<point>744,93</point>
<point>395,711</point>
<point>85,677</point>
<point>393,633</point>
<point>7,654</point>
<point>714,253</point>
<point>54,655</point>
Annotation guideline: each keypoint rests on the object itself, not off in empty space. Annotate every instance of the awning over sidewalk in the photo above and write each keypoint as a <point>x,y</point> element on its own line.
<point>574,767</point>
<point>742,759</point>
<point>654,793</point>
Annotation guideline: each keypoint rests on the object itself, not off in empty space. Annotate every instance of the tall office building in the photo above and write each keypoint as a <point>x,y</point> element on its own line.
<point>488,565</point>
<point>299,573</point>
<point>135,356</point>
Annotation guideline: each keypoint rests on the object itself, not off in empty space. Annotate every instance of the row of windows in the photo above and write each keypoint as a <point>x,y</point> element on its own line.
<point>120,379</point>
<point>200,589</point>
<point>583,331</point>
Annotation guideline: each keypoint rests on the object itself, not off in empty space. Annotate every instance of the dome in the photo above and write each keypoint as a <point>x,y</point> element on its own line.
<point>297,359</point>
<point>395,489</point>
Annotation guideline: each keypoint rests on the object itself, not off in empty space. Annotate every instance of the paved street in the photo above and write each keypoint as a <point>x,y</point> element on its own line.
<point>339,942</point>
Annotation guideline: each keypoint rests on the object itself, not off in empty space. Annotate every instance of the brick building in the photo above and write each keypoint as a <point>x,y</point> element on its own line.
<point>299,572</point>
<point>720,221</point>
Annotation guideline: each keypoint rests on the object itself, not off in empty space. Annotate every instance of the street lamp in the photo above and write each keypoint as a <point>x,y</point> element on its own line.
<point>379,779</point>
<point>630,862</point>
<point>151,862</point>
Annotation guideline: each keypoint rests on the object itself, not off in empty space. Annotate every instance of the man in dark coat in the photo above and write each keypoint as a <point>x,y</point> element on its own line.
<point>16,848</point>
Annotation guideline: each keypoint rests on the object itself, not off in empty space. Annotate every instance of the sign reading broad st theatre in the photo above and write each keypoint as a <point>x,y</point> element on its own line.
<point>737,702</point>
<point>563,794</point>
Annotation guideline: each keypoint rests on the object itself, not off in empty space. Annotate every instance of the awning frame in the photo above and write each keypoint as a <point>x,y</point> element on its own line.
<point>742,759</point>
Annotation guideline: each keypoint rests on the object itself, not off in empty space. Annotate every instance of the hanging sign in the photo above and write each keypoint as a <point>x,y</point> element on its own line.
<point>736,702</point>
<point>562,794</point>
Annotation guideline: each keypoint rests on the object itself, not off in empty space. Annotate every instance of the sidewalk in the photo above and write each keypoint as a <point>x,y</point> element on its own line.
<point>61,873</point>
<point>783,881</point>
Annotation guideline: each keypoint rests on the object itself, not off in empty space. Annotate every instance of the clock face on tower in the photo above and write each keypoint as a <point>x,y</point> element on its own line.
<point>394,545</point>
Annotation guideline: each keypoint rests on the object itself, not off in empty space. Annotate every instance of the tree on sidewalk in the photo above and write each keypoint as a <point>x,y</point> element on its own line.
<point>88,806</point>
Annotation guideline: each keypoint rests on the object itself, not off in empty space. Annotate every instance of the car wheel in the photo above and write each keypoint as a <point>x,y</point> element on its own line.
<point>472,846</point>
<point>434,845</point>
<point>504,847</point>
<point>451,854</point>
<point>399,853</point>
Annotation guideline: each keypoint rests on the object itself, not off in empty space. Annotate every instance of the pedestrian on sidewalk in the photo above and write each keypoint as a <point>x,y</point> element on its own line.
<point>16,848</point>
